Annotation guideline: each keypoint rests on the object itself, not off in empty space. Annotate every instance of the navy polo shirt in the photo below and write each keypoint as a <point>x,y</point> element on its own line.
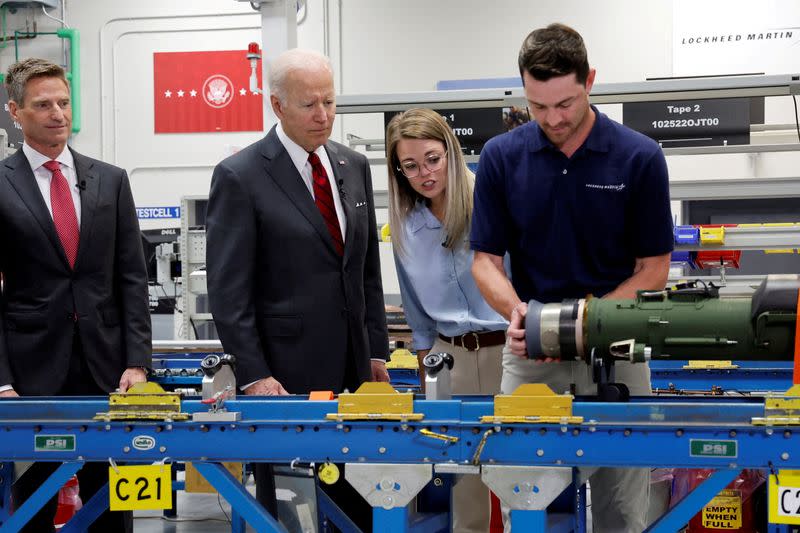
<point>572,226</point>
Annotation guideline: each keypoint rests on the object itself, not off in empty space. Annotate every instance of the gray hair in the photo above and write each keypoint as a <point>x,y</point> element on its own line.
<point>294,59</point>
<point>21,72</point>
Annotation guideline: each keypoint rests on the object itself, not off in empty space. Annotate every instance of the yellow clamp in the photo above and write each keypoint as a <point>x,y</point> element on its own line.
<point>440,436</point>
<point>375,401</point>
<point>386,233</point>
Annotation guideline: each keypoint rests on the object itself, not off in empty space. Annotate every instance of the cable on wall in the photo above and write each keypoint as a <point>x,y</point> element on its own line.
<point>796,120</point>
<point>48,15</point>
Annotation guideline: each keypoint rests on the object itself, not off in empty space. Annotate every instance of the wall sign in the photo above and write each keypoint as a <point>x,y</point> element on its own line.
<point>167,211</point>
<point>691,122</point>
<point>473,127</point>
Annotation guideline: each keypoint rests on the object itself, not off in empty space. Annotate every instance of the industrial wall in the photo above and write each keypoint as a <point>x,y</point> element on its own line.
<point>377,46</point>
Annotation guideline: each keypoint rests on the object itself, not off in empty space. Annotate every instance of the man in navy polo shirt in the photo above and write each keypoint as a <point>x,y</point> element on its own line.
<point>581,204</point>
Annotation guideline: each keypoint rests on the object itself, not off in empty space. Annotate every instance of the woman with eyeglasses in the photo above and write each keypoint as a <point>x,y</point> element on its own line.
<point>430,208</point>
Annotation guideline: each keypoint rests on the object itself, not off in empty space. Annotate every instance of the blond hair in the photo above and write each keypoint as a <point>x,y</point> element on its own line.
<point>427,124</point>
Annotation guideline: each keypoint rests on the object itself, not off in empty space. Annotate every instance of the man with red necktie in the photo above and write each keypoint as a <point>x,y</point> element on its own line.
<point>74,316</point>
<point>294,278</point>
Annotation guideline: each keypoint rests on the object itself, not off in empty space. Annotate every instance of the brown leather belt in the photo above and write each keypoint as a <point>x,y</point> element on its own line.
<point>474,340</point>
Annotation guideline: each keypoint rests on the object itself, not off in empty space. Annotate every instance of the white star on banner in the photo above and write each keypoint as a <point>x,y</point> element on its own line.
<point>243,91</point>
<point>167,93</point>
<point>180,93</point>
<point>192,93</point>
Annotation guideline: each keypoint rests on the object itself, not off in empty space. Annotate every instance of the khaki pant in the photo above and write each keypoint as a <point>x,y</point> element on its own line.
<point>619,496</point>
<point>476,372</point>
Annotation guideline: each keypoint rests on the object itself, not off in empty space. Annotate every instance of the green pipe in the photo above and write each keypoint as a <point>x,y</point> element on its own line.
<point>74,38</point>
<point>74,72</point>
<point>3,11</point>
<point>27,35</point>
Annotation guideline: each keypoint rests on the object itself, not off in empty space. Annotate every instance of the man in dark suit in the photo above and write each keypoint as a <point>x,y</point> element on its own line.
<point>74,317</point>
<point>294,279</point>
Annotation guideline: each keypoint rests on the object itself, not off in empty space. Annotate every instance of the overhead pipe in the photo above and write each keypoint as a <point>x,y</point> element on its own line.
<point>74,72</point>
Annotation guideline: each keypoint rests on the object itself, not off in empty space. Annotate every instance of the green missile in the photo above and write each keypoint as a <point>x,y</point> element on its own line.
<point>688,322</point>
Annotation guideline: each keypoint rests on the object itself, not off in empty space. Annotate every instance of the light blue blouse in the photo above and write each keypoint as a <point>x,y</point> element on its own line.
<point>436,285</point>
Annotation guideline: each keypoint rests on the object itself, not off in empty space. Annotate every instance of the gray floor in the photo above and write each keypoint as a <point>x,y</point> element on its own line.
<point>208,513</point>
<point>198,513</point>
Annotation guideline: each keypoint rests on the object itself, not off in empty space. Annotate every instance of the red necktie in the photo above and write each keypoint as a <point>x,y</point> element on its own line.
<point>64,217</point>
<point>323,197</point>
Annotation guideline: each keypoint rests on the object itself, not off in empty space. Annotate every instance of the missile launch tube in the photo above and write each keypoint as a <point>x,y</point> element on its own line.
<point>692,322</point>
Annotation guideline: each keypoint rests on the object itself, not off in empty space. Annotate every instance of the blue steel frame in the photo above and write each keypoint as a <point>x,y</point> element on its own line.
<point>645,432</point>
<point>751,376</point>
<point>183,369</point>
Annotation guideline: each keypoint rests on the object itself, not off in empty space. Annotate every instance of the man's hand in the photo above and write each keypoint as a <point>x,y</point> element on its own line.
<point>131,376</point>
<point>516,330</point>
<point>11,393</point>
<point>379,372</point>
<point>516,334</point>
<point>266,387</point>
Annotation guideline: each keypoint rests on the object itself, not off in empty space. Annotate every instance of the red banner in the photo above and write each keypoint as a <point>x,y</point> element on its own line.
<point>205,91</point>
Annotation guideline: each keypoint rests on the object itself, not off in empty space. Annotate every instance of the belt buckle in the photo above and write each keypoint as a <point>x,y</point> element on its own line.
<point>477,341</point>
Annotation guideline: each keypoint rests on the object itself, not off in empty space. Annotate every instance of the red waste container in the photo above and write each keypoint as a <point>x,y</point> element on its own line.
<point>69,502</point>
<point>733,509</point>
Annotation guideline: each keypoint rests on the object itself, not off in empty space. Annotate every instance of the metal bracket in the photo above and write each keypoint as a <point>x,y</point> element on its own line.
<point>388,486</point>
<point>532,403</point>
<point>143,401</point>
<point>526,488</point>
<point>455,468</point>
<point>438,380</point>
<point>783,410</point>
<point>710,365</point>
<point>216,416</point>
<point>375,401</point>
<point>219,385</point>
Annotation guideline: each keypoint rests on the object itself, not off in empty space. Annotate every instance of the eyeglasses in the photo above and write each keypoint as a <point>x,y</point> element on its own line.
<point>432,162</point>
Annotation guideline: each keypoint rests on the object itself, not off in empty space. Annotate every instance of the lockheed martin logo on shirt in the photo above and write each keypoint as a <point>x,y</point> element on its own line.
<point>606,187</point>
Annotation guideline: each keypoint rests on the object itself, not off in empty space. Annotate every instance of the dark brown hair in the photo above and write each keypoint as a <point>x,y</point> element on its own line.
<point>556,50</point>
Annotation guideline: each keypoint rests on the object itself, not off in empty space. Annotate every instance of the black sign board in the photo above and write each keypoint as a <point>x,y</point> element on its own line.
<point>691,122</point>
<point>473,127</point>
<point>13,129</point>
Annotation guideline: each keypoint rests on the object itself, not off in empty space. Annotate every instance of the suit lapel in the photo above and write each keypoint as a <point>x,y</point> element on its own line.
<point>279,166</point>
<point>340,167</point>
<point>23,181</point>
<point>90,192</point>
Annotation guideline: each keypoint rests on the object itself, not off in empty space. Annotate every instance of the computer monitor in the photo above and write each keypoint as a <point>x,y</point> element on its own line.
<point>151,238</point>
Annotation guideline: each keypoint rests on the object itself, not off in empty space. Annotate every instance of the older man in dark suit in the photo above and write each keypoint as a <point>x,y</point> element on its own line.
<point>294,276</point>
<point>74,317</point>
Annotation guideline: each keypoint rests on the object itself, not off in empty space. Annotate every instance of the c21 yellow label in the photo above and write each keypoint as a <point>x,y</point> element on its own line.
<point>137,487</point>
<point>784,497</point>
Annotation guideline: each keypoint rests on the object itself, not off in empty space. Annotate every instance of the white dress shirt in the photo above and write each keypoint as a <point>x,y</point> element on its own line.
<point>299,157</point>
<point>43,176</point>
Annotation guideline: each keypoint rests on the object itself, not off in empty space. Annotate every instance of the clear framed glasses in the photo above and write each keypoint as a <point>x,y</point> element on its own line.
<point>432,162</point>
